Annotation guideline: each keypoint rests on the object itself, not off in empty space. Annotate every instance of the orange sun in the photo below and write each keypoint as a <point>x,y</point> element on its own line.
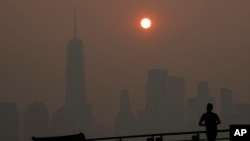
<point>145,23</point>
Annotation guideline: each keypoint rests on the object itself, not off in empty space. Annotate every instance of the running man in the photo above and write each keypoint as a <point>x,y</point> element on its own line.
<point>210,120</point>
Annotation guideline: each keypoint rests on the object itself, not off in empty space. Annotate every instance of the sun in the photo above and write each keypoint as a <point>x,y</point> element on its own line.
<point>145,23</point>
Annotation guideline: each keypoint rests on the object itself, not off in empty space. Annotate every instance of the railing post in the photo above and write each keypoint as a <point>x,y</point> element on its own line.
<point>196,137</point>
<point>159,138</point>
<point>150,138</point>
<point>120,139</point>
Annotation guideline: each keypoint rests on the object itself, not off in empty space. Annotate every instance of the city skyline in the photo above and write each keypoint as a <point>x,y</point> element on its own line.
<point>36,121</point>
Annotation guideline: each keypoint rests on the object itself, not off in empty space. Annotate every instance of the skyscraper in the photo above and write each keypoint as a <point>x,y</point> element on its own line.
<point>76,114</point>
<point>75,86</point>
<point>203,96</point>
<point>197,105</point>
<point>125,120</point>
<point>176,92</point>
<point>9,122</point>
<point>203,89</point>
<point>36,121</point>
<point>156,89</point>
<point>158,105</point>
<point>226,101</point>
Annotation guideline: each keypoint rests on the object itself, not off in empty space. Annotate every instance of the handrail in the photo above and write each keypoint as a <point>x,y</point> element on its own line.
<point>153,135</point>
<point>81,137</point>
<point>75,137</point>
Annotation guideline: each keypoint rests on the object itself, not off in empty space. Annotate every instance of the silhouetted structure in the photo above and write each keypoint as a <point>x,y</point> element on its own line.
<point>158,102</point>
<point>165,110</point>
<point>176,91</point>
<point>58,122</point>
<point>226,101</point>
<point>125,123</point>
<point>196,105</point>
<point>233,113</point>
<point>9,122</point>
<point>103,130</point>
<point>36,120</point>
<point>240,114</point>
<point>76,114</point>
<point>77,137</point>
<point>210,120</point>
<point>179,136</point>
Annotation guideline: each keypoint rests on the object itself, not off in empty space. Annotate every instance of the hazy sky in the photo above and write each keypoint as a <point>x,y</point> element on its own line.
<point>200,40</point>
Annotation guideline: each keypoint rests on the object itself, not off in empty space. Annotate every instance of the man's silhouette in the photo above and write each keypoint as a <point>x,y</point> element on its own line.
<point>210,120</point>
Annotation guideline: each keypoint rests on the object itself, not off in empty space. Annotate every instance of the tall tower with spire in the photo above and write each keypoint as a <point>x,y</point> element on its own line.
<point>75,87</point>
<point>77,111</point>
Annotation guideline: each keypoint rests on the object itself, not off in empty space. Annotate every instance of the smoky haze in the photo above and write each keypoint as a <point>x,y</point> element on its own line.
<point>196,40</point>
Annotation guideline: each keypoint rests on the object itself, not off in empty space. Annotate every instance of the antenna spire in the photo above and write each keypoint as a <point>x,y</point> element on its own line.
<point>75,24</point>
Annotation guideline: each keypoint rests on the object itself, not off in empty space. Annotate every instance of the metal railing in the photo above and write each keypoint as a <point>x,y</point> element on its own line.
<point>195,133</point>
<point>150,137</point>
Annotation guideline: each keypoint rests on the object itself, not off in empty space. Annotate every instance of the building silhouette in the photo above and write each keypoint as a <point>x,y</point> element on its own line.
<point>158,102</point>
<point>176,90</point>
<point>58,124</point>
<point>76,114</point>
<point>9,122</point>
<point>125,123</point>
<point>197,105</point>
<point>104,130</point>
<point>75,85</point>
<point>226,102</point>
<point>35,121</point>
<point>231,112</point>
<point>240,114</point>
<point>165,103</point>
